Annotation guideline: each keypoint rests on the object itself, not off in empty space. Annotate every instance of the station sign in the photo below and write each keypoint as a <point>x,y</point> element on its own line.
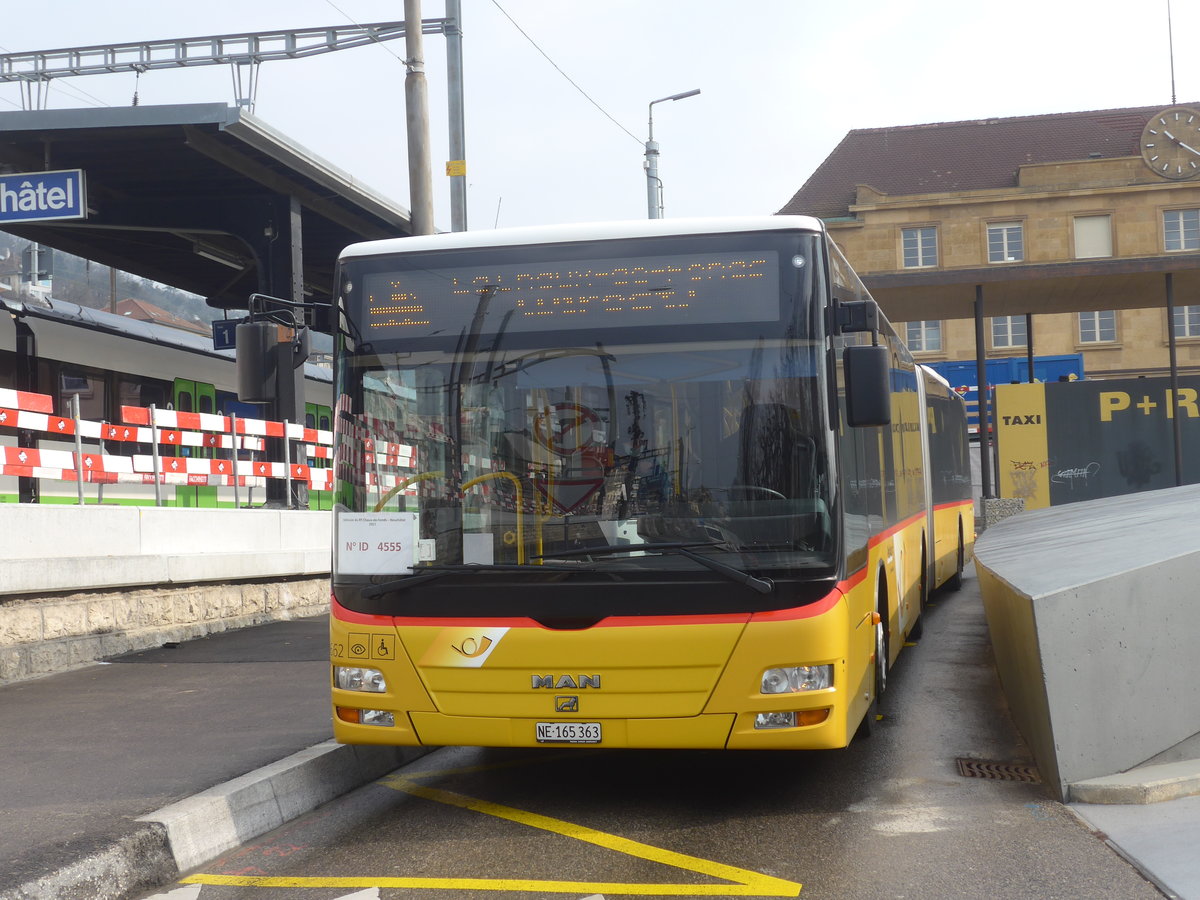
<point>42,196</point>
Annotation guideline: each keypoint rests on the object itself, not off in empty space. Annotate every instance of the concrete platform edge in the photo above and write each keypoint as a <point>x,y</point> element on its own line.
<point>1148,784</point>
<point>1120,851</point>
<point>194,831</point>
<point>202,827</point>
<point>136,861</point>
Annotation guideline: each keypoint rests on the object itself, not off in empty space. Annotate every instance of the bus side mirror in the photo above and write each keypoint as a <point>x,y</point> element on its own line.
<point>868,386</point>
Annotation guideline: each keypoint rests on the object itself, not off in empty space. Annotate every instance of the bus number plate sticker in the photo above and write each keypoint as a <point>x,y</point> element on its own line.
<point>568,732</point>
<point>376,543</point>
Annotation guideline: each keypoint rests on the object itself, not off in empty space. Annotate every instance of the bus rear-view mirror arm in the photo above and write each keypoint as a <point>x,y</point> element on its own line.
<point>867,369</point>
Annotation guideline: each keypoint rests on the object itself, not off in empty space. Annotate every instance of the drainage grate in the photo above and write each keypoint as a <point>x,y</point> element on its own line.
<point>997,771</point>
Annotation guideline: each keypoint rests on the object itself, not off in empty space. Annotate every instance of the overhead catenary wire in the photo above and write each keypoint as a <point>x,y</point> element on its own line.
<point>353,21</point>
<point>534,43</point>
<point>562,73</point>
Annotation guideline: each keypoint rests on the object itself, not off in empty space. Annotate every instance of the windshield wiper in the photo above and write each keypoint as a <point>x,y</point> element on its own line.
<point>760,585</point>
<point>422,574</point>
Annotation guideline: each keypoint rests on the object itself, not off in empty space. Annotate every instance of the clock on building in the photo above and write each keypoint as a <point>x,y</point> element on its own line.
<point>1171,143</point>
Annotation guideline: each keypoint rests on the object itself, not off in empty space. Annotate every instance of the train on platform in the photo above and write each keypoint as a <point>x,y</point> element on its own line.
<point>108,361</point>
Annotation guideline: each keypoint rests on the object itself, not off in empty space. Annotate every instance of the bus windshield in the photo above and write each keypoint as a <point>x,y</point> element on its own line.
<point>681,417</point>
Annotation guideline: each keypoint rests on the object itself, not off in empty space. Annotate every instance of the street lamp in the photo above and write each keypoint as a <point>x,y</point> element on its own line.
<point>654,203</point>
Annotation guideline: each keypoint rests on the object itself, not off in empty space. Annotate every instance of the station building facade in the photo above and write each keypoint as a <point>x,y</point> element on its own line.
<point>1080,229</point>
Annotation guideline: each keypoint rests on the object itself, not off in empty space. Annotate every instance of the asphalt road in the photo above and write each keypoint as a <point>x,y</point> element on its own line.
<point>889,817</point>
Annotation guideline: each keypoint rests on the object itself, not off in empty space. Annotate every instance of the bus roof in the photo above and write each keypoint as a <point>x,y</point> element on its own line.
<point>597,231</point>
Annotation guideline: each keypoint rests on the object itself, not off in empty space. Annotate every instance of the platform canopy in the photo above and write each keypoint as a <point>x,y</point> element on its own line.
<point>202,197</point>
<point>1017,289</point>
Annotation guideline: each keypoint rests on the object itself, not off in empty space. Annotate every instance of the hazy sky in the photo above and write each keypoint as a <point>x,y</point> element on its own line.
<point>782,81</point>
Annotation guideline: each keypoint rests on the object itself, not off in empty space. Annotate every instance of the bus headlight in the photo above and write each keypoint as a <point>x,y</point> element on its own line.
<point>796,679</point>
<point>355,678</point>
<point>382,717</point>
<point>790,719</point>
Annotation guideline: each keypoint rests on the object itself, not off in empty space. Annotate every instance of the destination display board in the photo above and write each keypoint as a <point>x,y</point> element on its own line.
<point>575,294</point>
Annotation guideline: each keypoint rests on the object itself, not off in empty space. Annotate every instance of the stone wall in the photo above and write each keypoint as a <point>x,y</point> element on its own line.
<point>51,633</point>
<point>80,584</point>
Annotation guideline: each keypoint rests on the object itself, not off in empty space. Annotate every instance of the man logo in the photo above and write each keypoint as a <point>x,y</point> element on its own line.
<point>559,682</point>
<point>566,704</point>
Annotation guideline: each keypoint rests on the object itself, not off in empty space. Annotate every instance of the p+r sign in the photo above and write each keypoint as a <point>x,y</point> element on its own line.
<point>38,196</point>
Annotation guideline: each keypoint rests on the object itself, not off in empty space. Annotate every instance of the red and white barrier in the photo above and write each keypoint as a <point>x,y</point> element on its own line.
<point>34,412</point>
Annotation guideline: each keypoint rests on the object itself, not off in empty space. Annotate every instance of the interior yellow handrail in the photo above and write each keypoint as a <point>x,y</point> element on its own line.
<point>424,476</point>
<point>520,502</point>
<point>412,479</point>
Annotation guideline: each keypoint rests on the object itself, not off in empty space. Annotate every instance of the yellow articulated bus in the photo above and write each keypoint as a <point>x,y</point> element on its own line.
<point>672,483</point>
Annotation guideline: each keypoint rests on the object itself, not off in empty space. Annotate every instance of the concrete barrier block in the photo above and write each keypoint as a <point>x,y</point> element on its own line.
<point>1090,608</point>
<point>39,576</point>
<point>306,530</point>
<point>176,531</point>
<point>233,566</point>
<point>34,531</point>
<point>317,562</point>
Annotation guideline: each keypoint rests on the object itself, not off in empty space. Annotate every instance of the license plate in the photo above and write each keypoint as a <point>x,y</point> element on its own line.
<point>568,732</point>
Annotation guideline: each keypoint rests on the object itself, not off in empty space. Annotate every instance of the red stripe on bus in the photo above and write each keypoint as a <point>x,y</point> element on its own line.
<point>342,614</point>
<point>895,529</point>
<point>809,610</point>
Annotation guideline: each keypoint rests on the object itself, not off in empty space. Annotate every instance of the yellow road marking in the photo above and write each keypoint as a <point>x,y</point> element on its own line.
<point>744,882</point>
<point>499,884</point>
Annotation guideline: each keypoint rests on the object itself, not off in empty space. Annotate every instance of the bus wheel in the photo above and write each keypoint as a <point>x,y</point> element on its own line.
<point>922,601</point>
<point>881,649</point>
<point>955,581</point>
<point>881,670</point>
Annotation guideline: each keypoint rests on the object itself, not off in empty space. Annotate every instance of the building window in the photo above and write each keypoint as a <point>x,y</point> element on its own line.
<point>1187,321</point>
<point>920,247</point>
<point>1093,237</point>
<point>924,337</point>
<point>1008,331</point>
<point>1098,327</point>
<point>1006,242</point>
<point>1181,229</point>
